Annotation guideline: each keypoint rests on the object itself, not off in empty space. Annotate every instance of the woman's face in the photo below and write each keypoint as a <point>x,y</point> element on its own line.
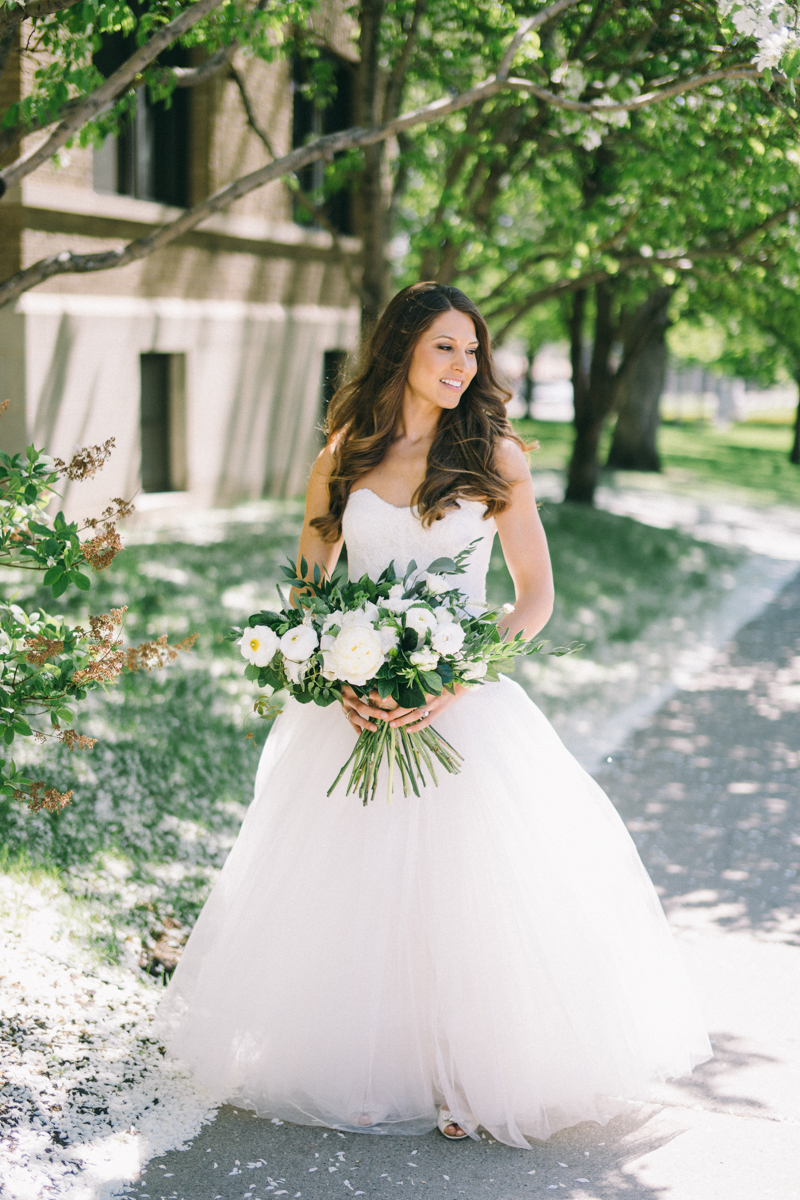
<point>444,361</point>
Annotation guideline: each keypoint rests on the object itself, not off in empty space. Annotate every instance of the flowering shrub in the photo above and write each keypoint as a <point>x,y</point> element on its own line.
<point>46,665</point>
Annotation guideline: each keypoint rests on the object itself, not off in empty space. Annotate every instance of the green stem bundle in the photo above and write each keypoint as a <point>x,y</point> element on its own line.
<point>407,751</point>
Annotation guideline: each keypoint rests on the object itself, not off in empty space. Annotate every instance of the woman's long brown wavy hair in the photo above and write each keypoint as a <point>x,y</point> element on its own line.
<point>364,414</point>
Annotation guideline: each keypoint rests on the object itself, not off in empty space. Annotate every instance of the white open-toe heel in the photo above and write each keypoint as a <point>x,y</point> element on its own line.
<point>445,1121</point>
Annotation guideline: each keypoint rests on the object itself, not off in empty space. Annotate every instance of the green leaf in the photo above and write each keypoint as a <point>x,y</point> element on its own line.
<point>8,736</point>
<point>410,695</point>
<point>442,566</point>
<point>432,681</point>
<point>60,586</point>
<point>80,581</point>
<point>53,574</point>
<point>251,671</point>
<point>445,671</point>
<point>409,640</point>
<point>22,727</point>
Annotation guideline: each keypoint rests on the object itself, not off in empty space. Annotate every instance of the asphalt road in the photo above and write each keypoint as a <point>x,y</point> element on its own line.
<point>710,790</point>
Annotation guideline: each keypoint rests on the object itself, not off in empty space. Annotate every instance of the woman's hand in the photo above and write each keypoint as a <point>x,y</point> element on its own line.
<point>418,719</point>
<point>362,713</point>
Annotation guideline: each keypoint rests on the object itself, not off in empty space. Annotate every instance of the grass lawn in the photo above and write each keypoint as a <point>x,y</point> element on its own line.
<point>159,801</point>
<point>749,459</point>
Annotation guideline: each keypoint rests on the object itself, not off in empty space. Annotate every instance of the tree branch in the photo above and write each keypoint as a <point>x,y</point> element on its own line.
<point>325,147</point>
<point>527,27</point>
<point>12,15</point>
<point>598,108</point>
<point>108,91</point>
<point>394,87</point>
<point>683,262</point>
<point>186,77</point>
<point>312,209</point>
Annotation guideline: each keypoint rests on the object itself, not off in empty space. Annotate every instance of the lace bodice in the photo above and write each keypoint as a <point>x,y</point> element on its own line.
<point>377,533</point>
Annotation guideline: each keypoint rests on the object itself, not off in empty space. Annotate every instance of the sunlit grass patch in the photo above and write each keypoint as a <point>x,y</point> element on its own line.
<point>749,457</point>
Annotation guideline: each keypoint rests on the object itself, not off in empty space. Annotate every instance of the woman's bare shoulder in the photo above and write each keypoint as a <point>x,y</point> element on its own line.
<point>510,460</point>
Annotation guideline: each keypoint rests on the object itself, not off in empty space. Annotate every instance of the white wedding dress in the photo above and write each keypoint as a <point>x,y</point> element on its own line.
<point>494,945</point>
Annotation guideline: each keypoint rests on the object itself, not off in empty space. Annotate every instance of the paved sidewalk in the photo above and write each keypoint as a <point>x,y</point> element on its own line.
<point>711,791</point>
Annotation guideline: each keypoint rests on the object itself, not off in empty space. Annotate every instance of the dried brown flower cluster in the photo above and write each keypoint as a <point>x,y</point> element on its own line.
<point>40,797</point>
<point>42,648</point>
<point>76,741</point>
<point>86,462</point>
<point>159,653</point>
<point>105,651</point>
<point>101,550</point>
<point>4,406</point>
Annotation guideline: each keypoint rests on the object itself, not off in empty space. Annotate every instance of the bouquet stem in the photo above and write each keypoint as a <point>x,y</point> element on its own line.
<point>408,751</point>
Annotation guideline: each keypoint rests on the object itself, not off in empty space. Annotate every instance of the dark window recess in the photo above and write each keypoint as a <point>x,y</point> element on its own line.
<point>312,119</point>
<point>155,423</point>
<point>150,157</point>
<point>334,363</point>
<point>163,422</point>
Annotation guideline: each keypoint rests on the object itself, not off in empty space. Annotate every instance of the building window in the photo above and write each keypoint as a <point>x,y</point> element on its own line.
<point>163,422</point>
<point>313,118</point>
<point>149,159</point>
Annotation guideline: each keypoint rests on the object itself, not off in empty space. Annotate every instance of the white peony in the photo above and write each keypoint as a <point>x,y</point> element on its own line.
<point>476,671</point>
<point>367,615</point>
<point>437,584</point>
<point>355,656</point>
<point>395,602</point>
<point>258,645</point>
<point>425,659</point>
<point>326,641</point>
<point>295,671</point>
<point>299,644</point>
<point>389,637</point>
<point>421,619</point>
<point>448,639</point>
<point>334,618</point>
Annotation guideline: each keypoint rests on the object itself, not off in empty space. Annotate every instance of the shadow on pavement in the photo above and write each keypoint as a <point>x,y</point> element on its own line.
<point>241,1157</point>
<point>710,790</point>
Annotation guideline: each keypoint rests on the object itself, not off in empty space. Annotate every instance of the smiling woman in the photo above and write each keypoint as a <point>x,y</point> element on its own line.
<point>432,348</point>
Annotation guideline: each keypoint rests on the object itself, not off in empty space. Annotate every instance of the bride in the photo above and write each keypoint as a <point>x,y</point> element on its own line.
<point>491,954</point>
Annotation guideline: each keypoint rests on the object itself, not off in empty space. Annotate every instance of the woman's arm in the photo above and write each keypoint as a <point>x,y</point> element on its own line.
<point>312,548</point>
<point>524,545</point>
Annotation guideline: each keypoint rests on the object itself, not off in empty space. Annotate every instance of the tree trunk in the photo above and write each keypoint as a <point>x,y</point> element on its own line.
<point>370,201</point>
<point>640,383</point>
<point>794,454</point>
<point>593,396</point>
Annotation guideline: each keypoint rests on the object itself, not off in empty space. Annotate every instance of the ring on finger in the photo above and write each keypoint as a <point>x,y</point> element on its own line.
<point>425,714</point>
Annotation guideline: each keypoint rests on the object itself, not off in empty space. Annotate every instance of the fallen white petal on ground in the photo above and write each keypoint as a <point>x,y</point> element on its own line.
<point>87,1096</point>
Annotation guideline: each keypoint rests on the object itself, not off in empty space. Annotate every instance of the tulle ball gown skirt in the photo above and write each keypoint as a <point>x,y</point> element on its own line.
<point>494,944</point>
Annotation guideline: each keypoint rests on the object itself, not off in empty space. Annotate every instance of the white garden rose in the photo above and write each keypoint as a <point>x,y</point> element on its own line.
<point>299,644</point>
<point>421,619</point>
<point>258,645</point>
<point>437,584</point>
<point>367,615</point>
<point>426,659</point>
<point>443,615</point>
<point>295,671</point>
<point>476,671</point>
<point>355,656</point>
<point>389,637</point>
<point>448,639</point>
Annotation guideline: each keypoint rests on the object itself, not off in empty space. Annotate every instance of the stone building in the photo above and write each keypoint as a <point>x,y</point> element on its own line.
<point>210,361</point>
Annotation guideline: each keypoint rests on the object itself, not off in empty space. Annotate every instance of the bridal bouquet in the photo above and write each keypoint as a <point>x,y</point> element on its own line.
<point>406,636</point>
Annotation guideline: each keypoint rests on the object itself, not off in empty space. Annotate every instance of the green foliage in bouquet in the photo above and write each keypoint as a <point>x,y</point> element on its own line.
<point>47,665</point>
<point>408,637</point>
